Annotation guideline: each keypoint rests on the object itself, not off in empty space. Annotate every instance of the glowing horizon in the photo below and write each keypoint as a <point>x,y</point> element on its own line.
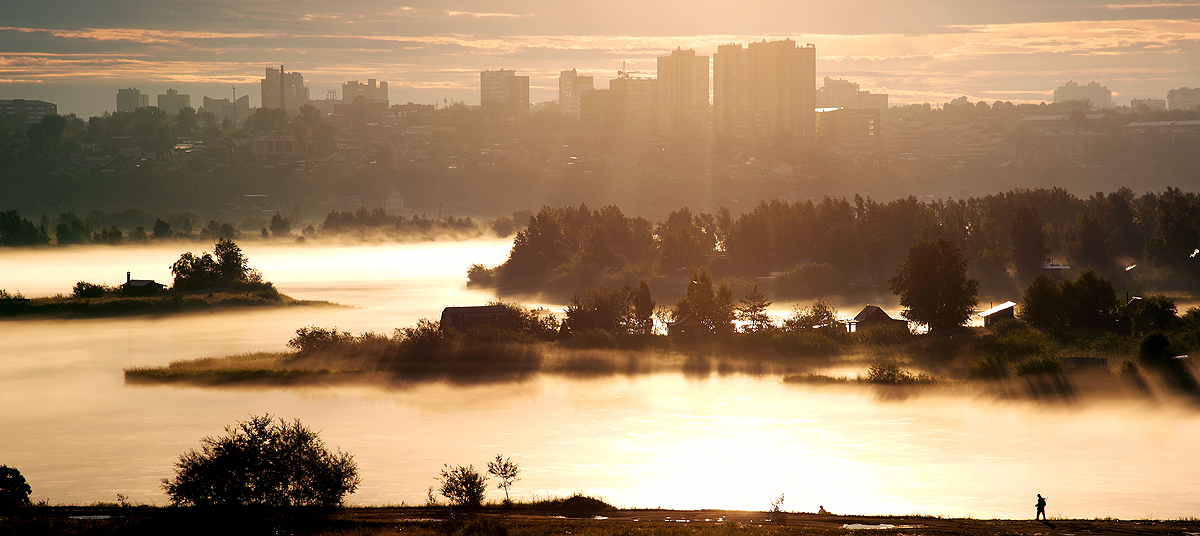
<point>933,51</point>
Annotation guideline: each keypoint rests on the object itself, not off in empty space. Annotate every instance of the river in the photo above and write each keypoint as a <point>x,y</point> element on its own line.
<point>80,434</point>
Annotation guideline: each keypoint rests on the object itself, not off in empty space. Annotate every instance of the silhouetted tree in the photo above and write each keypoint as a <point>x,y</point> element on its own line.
<point>713,309</point>
<point>18,231</point>
<point>601,309</point>
<point>506,470</point>
<point>643,309</point>
<point>933,286</point>
<point>162,229</point>
<point>280,226</point>
<point>1089,300</point>
<point>1028,242</point>
<point>14,490</point>
<point>464,486</point>
<point>263,461</point>
<point>1041,304</point>
<point>752,309</point>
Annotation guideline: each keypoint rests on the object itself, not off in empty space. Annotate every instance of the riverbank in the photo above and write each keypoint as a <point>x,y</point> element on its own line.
<point>534,521</point>
<point>164,305</point>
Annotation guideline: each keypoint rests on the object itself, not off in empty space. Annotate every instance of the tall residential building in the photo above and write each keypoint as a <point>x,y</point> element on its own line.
<point>571,88</point>
<point>278,84</point>
<point>172,102</point>
<point>27,112</point>
<point>235,111</point>
<point>131,99</point>
<point>504,91</point>
<point>765,93</point>
<point>1099,95</point>
<point>622,117</point>
<point>682,94</point>
<point>372,91</point>
<point>1184,98</point>
<point>838,93</point>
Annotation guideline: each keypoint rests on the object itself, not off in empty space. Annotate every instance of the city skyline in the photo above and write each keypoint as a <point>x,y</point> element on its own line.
<point>78,55</point>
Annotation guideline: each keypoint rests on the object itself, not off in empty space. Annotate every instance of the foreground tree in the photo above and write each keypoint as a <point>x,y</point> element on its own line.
<point>14,491</point>
<point>263,461</point>
<point>933,286</point>
<point>506,470</point>
<point>464,486</point>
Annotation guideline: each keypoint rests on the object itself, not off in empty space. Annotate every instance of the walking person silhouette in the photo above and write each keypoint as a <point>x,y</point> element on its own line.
<point>1041,507</point>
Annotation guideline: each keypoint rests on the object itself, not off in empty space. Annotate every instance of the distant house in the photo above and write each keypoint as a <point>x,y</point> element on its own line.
<point>461,318</point>
<point>1055,270</point>
<point>141,287</point>
<point>874,316</point>
<point>688,326</point>
<point>1000,312</point>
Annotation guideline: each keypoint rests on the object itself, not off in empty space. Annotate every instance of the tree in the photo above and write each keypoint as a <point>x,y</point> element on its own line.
<point>14,490</point>
<point>162,229</point>
<point>753,309</point>
<point>18,231</point>
<point>280,226</point>
<point>602,309</point>
<point>1089,301</point>
<point>506,470</point>
<point>464,486</point>
<point>1041,304</point>
<point>263,461</point>
<point>1028,242</point>
<point>643,309</point>
<point>933,285</point>
<point>714,310</point>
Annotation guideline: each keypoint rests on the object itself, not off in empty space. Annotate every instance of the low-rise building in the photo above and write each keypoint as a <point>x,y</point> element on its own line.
<point>27,112</point>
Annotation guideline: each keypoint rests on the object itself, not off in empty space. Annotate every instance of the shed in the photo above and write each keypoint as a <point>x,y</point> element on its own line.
<point>688,326</point>
<point>1004,311</point>
<point>478,315</point>
<point>141,287</point>
<point>874,316</point>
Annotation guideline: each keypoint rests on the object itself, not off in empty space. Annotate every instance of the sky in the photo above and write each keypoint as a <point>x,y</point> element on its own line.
<point>78,53</point>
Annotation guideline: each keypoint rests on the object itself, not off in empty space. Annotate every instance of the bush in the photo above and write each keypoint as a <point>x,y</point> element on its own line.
<point>263,462</point>
<point>314,339</point>
<point>1039,365</point>
<point>83,289</point>
<point>992,367</point>
<point>14,491</point>
<point>888,373</point>
<point>464,486</point>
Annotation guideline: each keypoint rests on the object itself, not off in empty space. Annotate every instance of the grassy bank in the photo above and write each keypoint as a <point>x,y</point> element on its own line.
<point>533,520</point>
<point>167,304</point>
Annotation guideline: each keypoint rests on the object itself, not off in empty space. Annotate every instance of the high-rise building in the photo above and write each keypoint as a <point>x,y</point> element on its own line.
<point>765,93</point>
<point>503,91</point>
<point>278,84</point>
<point>682,94</point>
<point>131,99</point>
<point>571,88</point>
<point>372,91</point>
<point>172,102</point>
<point>27,112</point>
<point>838,93</point>
<point>235,111</point>
<point>635,104</point>
<point>1099,95</point>
<point>1184,98</point>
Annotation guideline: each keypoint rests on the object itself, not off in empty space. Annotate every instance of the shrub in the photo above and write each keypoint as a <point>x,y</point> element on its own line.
<point>888,373</point>
<point>263,461</point>
<point>992,367</point>
<point>83,289</point>
<point>14,491</point>
<point>463,486</point>
<point>1039,365</point>
<point>314,339</point>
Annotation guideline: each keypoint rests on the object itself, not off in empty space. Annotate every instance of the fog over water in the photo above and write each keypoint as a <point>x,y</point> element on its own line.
<point>79,434</point>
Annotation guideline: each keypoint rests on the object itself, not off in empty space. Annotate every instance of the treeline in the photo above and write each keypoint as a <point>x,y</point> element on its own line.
<point>364,223</point>
<point>834,246</point>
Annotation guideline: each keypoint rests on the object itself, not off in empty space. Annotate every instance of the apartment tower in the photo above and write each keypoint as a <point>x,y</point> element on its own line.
<point>765,94</point>
<point>682,94</point>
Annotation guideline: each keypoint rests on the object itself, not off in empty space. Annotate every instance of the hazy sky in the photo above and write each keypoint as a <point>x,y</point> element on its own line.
<point>78,53</point>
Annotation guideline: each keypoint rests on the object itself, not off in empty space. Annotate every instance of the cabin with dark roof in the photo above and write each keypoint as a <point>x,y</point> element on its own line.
<point>141,287</point>
<point>462,318</point>
<point>874,316</point>
<point>688,326</point>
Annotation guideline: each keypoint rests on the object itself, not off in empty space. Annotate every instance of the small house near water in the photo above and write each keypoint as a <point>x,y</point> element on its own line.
<point>1004,311</point>
<point>141,287</point>
<point>462,318</point>
<point>874,316</point>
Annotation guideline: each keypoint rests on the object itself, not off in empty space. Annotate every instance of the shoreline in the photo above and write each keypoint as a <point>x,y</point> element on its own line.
<point>537,520</point>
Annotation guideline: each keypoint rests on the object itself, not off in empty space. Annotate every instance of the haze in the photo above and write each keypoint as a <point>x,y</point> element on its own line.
<point>77,54</point>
